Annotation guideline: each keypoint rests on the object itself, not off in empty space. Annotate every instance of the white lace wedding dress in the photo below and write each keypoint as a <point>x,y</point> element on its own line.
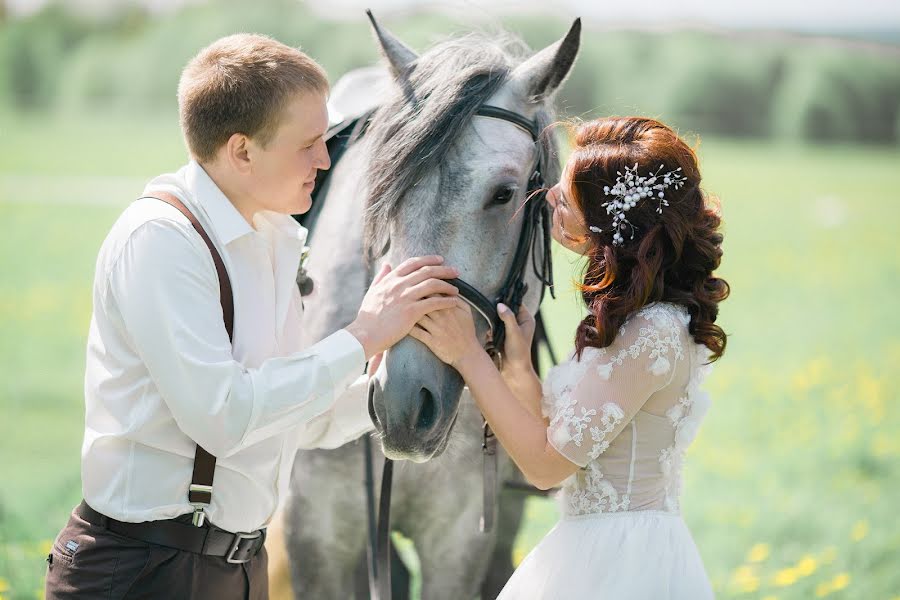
<point>625,414</point>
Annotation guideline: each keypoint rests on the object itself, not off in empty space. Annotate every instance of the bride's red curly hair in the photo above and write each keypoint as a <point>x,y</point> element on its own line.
<point>671,257</point>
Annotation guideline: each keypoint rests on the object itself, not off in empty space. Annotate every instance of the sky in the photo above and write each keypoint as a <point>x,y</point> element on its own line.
<point>778,14</point>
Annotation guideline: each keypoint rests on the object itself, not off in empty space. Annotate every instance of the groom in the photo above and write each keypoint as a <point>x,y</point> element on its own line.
<point>170,377</point>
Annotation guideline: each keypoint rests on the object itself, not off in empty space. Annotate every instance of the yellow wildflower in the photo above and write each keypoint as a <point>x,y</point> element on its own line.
<point>4,585</point>
<point>744,579</point>
<point>758,553</point>
<point>44,547</point>
<point>840,581</point>
<point>806,566</point>
<point>823,589</point>
<point>870,391</point>
<point>785,577</point>
<point>860,530</point>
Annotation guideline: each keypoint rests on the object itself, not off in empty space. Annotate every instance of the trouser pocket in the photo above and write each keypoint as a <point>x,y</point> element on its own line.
<point>87,561</point>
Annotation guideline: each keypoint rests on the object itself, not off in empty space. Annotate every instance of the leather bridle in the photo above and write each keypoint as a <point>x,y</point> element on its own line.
<point>537,222</point>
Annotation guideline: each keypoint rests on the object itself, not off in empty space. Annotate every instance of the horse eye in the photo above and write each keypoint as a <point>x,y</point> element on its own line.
<point>502,195</point>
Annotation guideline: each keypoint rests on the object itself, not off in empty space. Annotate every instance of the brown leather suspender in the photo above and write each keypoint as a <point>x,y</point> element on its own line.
<point>200,490</point>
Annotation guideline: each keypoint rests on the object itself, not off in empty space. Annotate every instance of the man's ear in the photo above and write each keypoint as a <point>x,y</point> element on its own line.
<point>237,152</point>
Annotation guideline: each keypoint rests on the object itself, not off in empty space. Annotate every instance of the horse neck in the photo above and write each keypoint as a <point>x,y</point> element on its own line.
<point>336,261</point>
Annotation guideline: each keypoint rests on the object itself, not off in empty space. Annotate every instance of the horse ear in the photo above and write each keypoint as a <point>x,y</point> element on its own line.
<point>541,75</point>
<point>399,55</point>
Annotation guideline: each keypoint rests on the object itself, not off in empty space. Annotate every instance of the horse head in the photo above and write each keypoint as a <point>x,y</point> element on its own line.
<point>444,180</point>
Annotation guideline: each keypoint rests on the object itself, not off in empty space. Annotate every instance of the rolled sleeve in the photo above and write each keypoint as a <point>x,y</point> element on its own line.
<point>330,367</point>
<point>346,421</point>
<point>346,358</point>
<point>351,411</point>
<point>164,286</point>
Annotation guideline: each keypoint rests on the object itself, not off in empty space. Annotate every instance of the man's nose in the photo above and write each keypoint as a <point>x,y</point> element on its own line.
<point>324,159</point>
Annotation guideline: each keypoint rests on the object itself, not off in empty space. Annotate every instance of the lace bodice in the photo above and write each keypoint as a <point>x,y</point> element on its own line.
<point>627,413</point>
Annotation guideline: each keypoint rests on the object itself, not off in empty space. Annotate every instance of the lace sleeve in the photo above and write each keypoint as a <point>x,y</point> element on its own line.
<point>591,401</point>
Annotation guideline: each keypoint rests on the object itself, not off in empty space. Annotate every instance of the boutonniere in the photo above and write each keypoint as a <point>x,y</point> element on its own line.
<point>304,281</point>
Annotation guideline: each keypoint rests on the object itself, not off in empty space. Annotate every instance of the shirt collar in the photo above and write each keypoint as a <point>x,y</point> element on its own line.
<point>281,226</point>
<point>227,222</point>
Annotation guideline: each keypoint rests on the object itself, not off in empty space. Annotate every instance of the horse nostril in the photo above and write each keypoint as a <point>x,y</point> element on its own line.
<point>427,410</point>
<point>371,405</point>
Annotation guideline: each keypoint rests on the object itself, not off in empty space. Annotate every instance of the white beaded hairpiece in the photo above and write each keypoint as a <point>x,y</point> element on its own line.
<point>631,188</point>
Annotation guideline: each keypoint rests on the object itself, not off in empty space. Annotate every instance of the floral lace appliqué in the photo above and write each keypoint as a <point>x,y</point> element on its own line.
<point>589,492</point>
<point>662,340</point>
<point>660,345</point>
<point>568,426</point>
<point>685,416</point>
<point>612,416</point>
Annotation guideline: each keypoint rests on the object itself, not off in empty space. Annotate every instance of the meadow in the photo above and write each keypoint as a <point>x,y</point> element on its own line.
<point>792,485</point>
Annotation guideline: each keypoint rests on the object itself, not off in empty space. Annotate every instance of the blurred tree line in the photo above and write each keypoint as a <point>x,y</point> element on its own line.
<point>745,85</point>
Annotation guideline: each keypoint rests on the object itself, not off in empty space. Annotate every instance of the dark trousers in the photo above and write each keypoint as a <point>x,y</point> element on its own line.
<point>89,561</point>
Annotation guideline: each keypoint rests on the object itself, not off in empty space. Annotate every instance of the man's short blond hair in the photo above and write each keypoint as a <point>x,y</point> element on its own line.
<point>241,84</point>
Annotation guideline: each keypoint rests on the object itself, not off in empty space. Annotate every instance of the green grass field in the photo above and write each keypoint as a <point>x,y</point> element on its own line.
<point>792,486</point>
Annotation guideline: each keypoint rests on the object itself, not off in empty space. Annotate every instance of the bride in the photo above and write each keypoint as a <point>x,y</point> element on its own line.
<point>612,423</point>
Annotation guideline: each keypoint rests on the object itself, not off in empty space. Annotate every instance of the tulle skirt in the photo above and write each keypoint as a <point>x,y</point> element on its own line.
<point>638,555</point>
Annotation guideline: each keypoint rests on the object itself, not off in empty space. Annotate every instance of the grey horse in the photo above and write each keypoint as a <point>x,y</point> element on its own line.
<point>428,177</point>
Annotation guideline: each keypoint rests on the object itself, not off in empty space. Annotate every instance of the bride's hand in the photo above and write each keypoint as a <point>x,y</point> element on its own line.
<point>449,333</point>
<point>519,334</point>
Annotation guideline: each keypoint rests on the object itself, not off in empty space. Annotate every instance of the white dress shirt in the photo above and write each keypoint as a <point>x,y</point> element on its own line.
<point>162,376</point>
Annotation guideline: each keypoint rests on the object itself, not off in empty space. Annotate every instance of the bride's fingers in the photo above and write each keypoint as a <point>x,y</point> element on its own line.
<point>509,319</point>
<point>421,334</point>
<point>460,303</point>
<point>524,317</point>
<point>426,323</point>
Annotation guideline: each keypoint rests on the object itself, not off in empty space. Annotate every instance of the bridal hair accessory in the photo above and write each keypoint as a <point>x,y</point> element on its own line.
<point>629,189</point>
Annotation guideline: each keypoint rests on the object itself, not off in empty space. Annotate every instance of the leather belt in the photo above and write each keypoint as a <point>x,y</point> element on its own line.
<point>208,540</point>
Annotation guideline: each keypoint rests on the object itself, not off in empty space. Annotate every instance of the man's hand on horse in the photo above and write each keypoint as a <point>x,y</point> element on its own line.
<point>400,297</point>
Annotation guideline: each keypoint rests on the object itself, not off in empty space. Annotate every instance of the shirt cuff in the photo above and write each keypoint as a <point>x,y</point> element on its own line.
<point>351,410</point>
<point>346,359</point>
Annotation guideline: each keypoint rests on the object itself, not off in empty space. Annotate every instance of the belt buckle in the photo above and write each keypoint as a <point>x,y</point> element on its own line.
<point>237,541</point>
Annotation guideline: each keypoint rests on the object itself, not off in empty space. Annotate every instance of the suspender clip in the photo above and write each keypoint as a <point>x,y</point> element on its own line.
<point>199,516</point>
<point>199,507</point>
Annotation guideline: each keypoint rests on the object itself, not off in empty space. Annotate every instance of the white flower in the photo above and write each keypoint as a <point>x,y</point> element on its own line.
<point>560,436</point>
<point>675,413</point>
<point>660,366</point>
<point>612,414</point>
<point>687,429</point>
<point>605,370</point>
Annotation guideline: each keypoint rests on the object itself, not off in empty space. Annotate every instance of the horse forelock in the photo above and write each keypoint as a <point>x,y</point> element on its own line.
<point>413,132</point>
